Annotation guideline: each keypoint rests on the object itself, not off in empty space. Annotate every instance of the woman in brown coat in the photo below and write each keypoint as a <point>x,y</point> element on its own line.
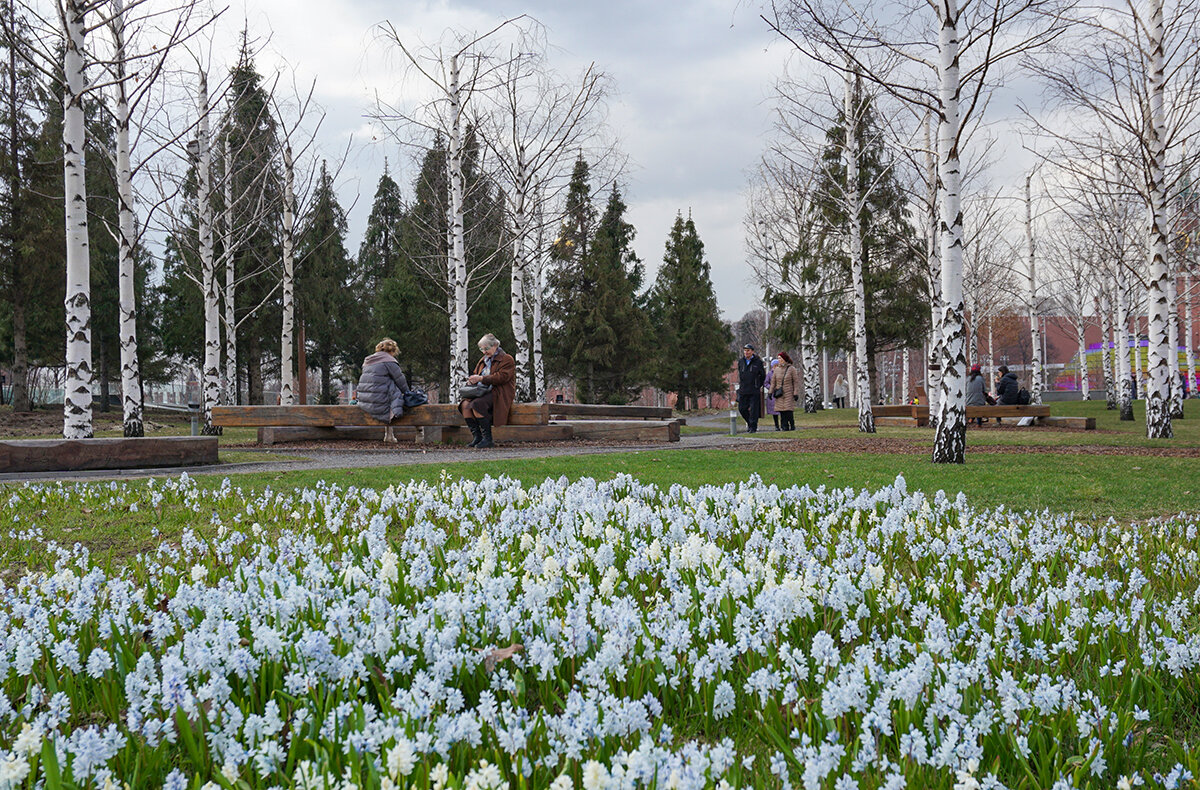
<point>786,378</point>
<point>496,370</point>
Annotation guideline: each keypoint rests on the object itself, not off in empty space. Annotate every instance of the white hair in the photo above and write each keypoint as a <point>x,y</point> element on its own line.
<point>488,341</point>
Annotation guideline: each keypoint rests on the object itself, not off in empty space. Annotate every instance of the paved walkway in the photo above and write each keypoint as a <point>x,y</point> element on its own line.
<point>334,458</point>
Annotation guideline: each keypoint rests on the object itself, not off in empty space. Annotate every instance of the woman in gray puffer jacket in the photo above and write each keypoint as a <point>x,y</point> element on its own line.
<point>382,385</point>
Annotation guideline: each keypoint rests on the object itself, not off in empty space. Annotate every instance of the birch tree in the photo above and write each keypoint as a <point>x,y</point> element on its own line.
<point>133,69</point>
<point>460,71</point>
<point>947,75</point>
<point>1127,85</point>
<point>539,123</point>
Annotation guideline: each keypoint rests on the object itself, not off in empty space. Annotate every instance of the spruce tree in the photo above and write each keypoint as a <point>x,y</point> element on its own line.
<point>323,287</point>
<point>691,344</point>
<point>604,331</point>
<point>894,280</point>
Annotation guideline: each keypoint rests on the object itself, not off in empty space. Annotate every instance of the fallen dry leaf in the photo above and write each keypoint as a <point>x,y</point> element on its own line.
<point>501,654</point>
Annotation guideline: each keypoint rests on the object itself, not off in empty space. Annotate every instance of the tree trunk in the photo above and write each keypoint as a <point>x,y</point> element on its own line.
<point>812,375</point>
<point>286,352</point>
<point>1084,384</point>
<point>212,328</point>
<point>457,268</point>
<point>1158,412</point>
<point>933,378</point>
<point>518,272</point>
<point>20,364</point>
<point>102,367</point>
<point>231,330</point>
<point>1035,333</point>
<point>131,379</point>
<point>1106,354</point>
<point>906,384</point>
<point>1121,352</point>
<point>302,362</point>
<point>991,358</point>
<point>254,378</point>
<point>950,442</point>
<point>1189,336</point>
<point>1173,357</point>
<point>866,420</point>
<point>77,386</point>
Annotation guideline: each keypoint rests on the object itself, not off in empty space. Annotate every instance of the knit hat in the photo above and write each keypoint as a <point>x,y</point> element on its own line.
<point>974,368</point>
<point>784,356</point>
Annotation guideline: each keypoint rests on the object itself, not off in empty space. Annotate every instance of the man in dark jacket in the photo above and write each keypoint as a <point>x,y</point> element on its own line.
<point>751,375</point>
<point>1007,388</point>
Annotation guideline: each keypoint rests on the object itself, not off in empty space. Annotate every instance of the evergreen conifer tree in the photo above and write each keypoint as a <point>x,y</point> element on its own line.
<point>691,342</point>
<point>605,331</point>
<point>894,281</point>
<point>323,287</point>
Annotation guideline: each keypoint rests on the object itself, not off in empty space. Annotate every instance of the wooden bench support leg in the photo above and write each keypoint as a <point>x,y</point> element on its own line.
<point>430,434</point>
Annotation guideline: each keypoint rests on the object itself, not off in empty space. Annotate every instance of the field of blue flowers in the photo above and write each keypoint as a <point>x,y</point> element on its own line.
<point>485,635</point>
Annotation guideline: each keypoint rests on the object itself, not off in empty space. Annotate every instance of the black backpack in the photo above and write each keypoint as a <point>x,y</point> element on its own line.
<point>1023,397</point>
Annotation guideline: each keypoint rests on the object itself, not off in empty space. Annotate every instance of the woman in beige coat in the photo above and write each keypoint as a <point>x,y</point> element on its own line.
<point>786,381</point>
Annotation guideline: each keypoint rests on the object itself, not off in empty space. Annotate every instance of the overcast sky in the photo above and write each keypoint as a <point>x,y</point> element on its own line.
<point>692,78</point>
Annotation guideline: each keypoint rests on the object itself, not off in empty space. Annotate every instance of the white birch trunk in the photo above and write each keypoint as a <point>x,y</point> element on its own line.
<point>1138,367</point>
<point>933,378</point>
<point>991,358</point>
<point>211,374</point>
<point>459,338</point>
<point>866,420</point>
<point>1106,354</point>
<point>1176,389</point>
<point>231,360</point>
<point>1035,333</point>
<point>812,374</point>
<point>1189,346</point>
<point>520,267</point>
<point>539,289</point>
<point>287,353</point>
<point>950,442</point>
<point>905,385</point>
<point>131,379</point>
<point>1121,352</point>
<point>1084,384</point>
<point>77,385</point>
<point>824,377</point>
<point>1158,413</point>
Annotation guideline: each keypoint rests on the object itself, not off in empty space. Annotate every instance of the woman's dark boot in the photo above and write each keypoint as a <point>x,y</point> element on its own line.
<point>485,428</point>
<point>476,434</point>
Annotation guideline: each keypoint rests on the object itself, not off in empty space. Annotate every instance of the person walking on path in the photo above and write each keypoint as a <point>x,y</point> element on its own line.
<point>751,376</point>
<point>382,385</point>
<point>771,410</point>
<point>497,371</point>
<point>840,392</point>
<point>787,385</point>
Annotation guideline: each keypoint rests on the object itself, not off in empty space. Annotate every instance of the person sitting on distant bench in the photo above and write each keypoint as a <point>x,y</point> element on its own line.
<point>1008,388</point>
<point>382,385</point>
<point>976,391</point>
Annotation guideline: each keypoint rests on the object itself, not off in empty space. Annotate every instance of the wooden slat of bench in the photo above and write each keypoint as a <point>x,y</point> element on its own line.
<point>1008,411</point>
<point>431,414</point>
<point>1079,423</point>
<point>625,430</point>
<point>903,410</point>
<point>63,455</point>
<point>513,433</point>
<point>604,411</point>
<point>897,422</point>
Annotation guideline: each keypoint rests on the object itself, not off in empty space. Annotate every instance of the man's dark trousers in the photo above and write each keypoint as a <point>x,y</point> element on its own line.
<point>748,405</point>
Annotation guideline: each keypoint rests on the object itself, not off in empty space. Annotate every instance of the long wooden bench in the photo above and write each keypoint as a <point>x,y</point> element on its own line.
<point>604,411</point>
<point>68,455</point>
<point>918,415</point>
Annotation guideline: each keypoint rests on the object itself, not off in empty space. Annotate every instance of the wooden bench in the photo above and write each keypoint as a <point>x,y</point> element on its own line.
<point>918,415</point>
<point>604,411</point>
<point>69,455</point>
<point>431,423</point>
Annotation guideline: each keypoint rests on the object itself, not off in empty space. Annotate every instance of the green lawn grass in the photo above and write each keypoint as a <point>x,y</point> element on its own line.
<point>1110,430</point>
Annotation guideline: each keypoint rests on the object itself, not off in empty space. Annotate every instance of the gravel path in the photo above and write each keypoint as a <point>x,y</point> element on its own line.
<point>342,457</point>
